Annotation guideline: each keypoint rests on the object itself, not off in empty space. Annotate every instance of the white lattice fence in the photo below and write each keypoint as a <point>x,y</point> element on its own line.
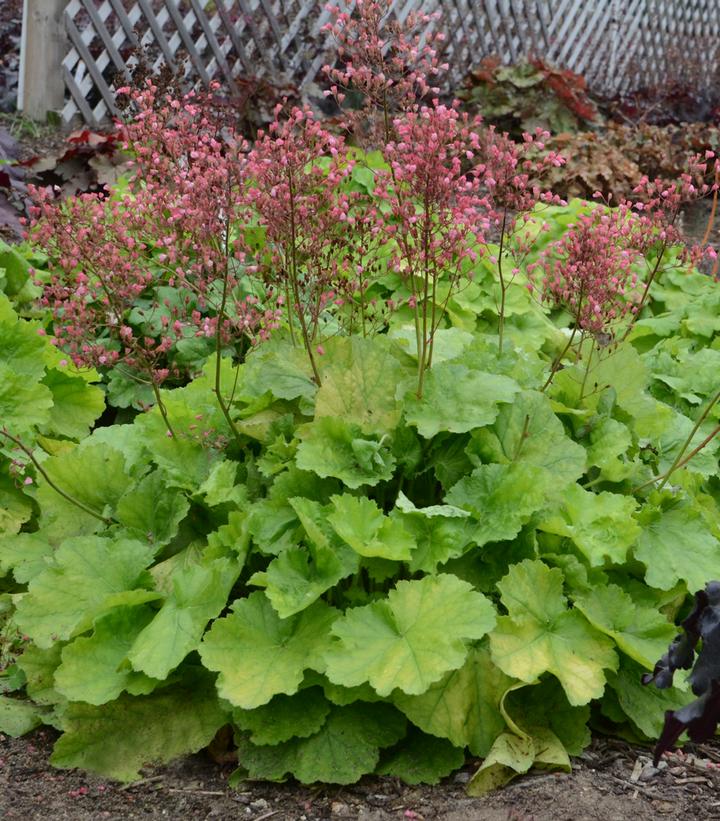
<point>616,44</point>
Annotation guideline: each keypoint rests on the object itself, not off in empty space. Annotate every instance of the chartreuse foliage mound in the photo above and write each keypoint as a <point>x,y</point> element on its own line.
<point>363,581</point>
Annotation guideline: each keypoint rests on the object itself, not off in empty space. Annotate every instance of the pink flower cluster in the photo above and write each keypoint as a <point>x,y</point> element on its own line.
<point>390,64</point>
<point>298,169</point>
<point>658,205</point>
<point>513,172</point>
<point>437,211</point>
<point>171,229</point>
<point>589,271</point>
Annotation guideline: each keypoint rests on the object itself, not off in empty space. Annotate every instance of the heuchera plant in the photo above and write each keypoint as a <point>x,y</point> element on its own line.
<point>372,510</point>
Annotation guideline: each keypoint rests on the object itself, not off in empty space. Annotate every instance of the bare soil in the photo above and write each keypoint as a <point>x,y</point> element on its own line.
<point>611,781</point>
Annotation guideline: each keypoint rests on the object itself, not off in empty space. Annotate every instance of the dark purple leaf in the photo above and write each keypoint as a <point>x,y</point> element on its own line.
<point>700,718</point>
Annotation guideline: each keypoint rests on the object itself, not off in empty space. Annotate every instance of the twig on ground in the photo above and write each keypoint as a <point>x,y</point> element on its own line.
<point>142,782</point>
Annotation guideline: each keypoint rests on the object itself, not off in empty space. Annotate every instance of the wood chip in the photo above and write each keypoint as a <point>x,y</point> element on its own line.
<point>637,769</point>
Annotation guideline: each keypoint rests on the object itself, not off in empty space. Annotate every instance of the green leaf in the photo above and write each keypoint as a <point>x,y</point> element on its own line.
<point>677,545</point>
<point>18,717</point>
<point>22,345</point>
<point>76,405</point>
<point>644,705</point>
<point>510,756</point>
<point>644,634</point>
<point>609,441</point>
<point>12,679</point>
<point>117,739</point>
<point>15,508</point>
<point>362,525</point>
<point>259,655</point>
<point>448,458</point>
<point>333,447</point>
<point>514,755</point>
<point>457,399</point>
<point>94,474</point>
<point>285,717</point>
<point>600,524</point>
<point>15,267</point>
<point>531,709</point>
<point>528,431</point>
<point>272,524</point>
<point>463,706</point>
<point>345,695</point>
<point>359,378</point>
<point>91,666</point>
<point>448,343</point>
<point>152,510</point>
<point>628,375</point>
<point>280,369</point>
<point>541,636</point>
<point>185,458</point>
<point>233,536</point>
<point>346,748</point>
<point>705,462</point>
<point>199,593</point>
<point>689,374</point>
<point>422,759</point>
<point>221,486</point>
<point>409,640</point>
<point>441,532</point>
<point>502,498</point>
<point>125,391</point>
<point>24,403</point>
<point>39,667</point>
<point>82,582</point>
<point>26,553</point>
<point>301,574</point>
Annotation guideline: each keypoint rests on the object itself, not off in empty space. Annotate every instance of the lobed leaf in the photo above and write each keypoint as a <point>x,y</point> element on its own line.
<point>640,632</point>
<point>259,655</point>
<point>88,576</point>
<point>341,752</point>
<point>463,706</point>
<point>285,717</point>
<point>361,524</point>
<point>458,399</point>
<point>409,640</point>
<point>601,525</point>
<point>421,759</point>
<point>502,498</point>
<point>91,669</point>
<point>332,447</point>
<point>539,635</point>
<point>199,593</point>
<point>117,739</point>
<point>676,545</point>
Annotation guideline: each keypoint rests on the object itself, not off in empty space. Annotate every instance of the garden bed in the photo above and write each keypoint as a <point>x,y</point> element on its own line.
<point>611,781</point>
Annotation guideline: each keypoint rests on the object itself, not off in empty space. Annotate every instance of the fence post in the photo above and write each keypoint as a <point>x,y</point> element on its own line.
<point>41,87</point>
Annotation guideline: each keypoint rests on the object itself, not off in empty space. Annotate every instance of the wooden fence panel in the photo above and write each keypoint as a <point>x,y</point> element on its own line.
<point>616,44</point>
